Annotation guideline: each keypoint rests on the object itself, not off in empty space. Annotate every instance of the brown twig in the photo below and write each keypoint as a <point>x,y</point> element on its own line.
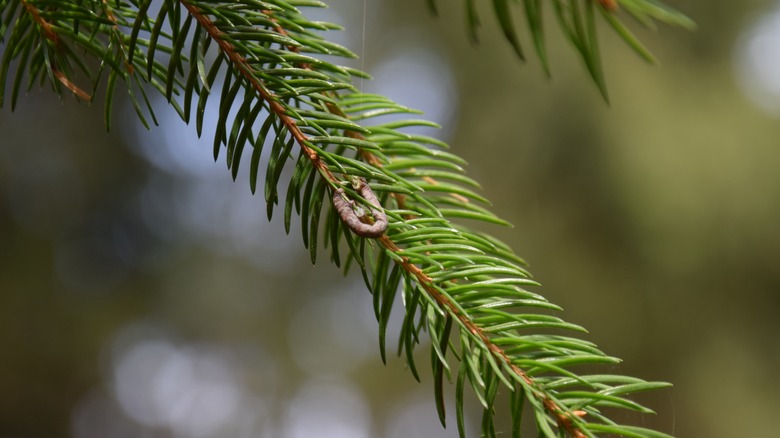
<point>48,32</point>
<point>51,35</point>
<point>70,85</point>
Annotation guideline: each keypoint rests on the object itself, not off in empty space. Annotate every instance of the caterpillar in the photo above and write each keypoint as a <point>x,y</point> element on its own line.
<point>345,209</point>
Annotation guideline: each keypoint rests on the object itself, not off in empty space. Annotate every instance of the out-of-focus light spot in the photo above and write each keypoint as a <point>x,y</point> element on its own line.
<point>190,392</point>
<point>327,410</point>
<point>155,387</point>
<point>757,62</point>
<point>418,78</point>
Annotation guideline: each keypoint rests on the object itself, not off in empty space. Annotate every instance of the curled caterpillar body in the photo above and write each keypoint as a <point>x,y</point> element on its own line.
<point>347,213</point>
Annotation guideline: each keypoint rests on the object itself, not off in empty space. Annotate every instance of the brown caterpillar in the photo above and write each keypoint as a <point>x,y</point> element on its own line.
<point>345,209</point>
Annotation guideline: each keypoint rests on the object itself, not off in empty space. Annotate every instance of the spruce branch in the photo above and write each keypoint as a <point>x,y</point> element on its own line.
<point>391,197</point>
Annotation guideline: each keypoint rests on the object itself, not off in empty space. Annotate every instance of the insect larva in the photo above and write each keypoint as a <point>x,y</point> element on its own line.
<point>345,209</point>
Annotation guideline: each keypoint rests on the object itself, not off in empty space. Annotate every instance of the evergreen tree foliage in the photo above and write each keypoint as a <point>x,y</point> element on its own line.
<point>368,193</point>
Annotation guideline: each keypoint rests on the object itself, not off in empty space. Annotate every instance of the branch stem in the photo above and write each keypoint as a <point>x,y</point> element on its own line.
<point>48,32</point>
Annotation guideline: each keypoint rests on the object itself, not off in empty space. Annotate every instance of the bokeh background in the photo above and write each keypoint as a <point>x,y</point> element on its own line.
<point>145,294</point>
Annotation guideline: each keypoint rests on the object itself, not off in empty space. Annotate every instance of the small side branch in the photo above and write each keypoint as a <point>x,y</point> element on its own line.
<point>48,32</point>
